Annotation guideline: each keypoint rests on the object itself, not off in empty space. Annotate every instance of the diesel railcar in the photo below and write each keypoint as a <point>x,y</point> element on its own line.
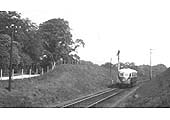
<point>127,76</point>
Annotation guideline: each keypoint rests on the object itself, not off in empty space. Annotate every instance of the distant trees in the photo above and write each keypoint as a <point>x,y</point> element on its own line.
<point>143,70</point>
<point>52,38</point>
<point>122,65</point>
<point>107,65</point>
<point>130,65</point>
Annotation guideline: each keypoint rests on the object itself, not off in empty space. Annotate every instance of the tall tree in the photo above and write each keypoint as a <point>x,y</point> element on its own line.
<point>25,34</point>
<point>4,43</point>
<point>57,39</point>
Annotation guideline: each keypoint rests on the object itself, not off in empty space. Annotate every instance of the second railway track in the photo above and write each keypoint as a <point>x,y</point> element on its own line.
<point>93,99</point>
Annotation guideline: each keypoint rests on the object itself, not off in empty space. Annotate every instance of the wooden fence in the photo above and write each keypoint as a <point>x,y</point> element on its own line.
<point>33,70</point>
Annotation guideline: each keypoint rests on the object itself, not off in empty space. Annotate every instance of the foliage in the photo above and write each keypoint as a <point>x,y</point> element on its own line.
<point>52,38</point>
<point>154,93</point>
<point>144,70</point>
<point>23,35</point>
<point>122,65</point>
<point>107,65</point>
<point>64,83</point>
<point>4,43</point>
<point>57,39</point>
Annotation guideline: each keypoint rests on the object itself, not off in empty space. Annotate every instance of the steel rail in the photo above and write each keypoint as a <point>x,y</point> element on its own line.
<point>88,97</point>
<point>91,94</point>
<point>98,94</point>
<point>106,98</point>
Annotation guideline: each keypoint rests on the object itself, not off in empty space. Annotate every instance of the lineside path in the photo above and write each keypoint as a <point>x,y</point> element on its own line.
<point>119,102</point>
<point>20,77</point>
<point>116,104</point>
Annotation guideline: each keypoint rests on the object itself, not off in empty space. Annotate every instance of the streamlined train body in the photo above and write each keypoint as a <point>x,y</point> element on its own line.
<point>127,76</point>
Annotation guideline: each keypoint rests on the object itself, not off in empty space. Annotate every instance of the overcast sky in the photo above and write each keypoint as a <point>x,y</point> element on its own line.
<point>132,26</point>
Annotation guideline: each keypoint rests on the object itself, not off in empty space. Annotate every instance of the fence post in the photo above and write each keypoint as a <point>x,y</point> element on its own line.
<point>22,72</point>
<point>30,72</point>
<point>36,70</point>
<point>42,72</point>
<point>1,74</point>
<point>12,73</point>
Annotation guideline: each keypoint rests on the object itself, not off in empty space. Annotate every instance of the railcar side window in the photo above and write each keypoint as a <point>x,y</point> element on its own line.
<point>134,74</point>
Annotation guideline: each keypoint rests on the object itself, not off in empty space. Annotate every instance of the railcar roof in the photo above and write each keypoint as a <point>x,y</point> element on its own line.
<point>127,70</point>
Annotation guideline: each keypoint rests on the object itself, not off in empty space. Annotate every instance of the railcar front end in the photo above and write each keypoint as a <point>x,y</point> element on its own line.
<point>127,77</point>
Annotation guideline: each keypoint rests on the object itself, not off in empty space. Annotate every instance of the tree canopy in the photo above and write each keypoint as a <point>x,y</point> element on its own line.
<point>57,39</point>
<point>52,38</point>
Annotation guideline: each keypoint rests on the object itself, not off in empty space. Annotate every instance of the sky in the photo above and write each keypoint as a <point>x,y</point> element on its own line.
<point>106,26</point>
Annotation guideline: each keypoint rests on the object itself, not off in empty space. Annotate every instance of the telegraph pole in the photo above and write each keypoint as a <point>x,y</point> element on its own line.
<point>12,27</point>
<point>10,62</point>
<point>118,67</point>
<point>110,67</point>
<point>150,64</point>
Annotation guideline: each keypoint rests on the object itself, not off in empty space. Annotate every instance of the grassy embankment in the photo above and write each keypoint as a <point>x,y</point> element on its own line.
<point>155,93</point>
<point>64,83</point>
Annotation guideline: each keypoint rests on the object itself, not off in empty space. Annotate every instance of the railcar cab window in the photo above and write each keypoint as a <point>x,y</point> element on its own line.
<point>126,75</point>
<point>121,74</point>
<point>134,74</point>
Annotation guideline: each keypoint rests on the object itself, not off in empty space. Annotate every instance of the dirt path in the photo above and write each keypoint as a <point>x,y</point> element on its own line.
<point>19,77</point>
<point>120,101</point>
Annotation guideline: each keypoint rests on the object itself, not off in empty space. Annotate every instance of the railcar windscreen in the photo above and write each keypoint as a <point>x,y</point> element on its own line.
<point>121,74</point>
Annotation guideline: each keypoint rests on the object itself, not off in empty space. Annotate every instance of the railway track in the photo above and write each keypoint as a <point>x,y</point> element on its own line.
<point>93,99</point>
<point>98,99</point>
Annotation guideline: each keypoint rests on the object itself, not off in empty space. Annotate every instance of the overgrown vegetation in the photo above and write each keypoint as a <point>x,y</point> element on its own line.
<point>51,38</point>
<point>155,93</point>
<point>64,83</point>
